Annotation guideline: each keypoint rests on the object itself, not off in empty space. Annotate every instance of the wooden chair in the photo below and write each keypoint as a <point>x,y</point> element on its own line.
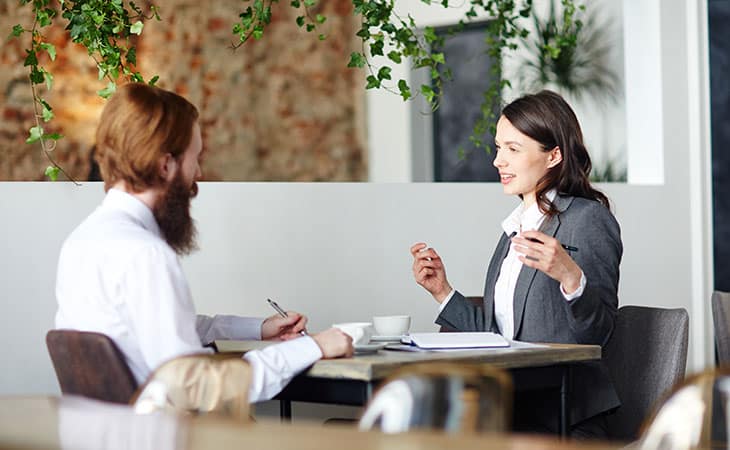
<point>199,385</point>
<point>91,365</point>
<point>693,415</point>
<point>475,300</point>
<point>721,320</point>
<point>454,397</point>
<point>646,356</point>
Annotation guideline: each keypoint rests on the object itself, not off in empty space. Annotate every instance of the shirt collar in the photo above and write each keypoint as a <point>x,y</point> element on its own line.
<point>134,207</point>
<point>522,219</point>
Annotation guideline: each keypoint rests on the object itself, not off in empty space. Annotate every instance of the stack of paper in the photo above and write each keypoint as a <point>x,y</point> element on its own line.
<point>457,340</point>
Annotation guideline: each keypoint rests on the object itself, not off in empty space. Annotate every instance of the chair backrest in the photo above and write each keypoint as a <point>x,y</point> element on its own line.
<point>452,397</point>
<point>474,300</point>
<point>91,365</point>
<point>198,384</point>
<point>721,320</point>
<point>693,416</point>
<point>646,356</point>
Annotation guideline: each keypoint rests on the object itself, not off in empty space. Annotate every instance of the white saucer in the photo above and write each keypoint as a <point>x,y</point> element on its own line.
<point>369,348</point>
<point>385,338</point>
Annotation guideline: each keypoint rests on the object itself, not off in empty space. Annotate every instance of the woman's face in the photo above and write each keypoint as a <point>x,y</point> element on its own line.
<point>521,161</point>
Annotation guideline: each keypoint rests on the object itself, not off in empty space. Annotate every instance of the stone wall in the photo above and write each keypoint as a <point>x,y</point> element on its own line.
<point>285,108</point>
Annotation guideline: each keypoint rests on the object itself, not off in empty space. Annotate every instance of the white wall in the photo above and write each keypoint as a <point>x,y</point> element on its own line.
<point>340,251</point>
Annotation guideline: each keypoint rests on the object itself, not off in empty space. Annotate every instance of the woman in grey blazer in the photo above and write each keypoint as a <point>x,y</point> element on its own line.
<point>554,274</point>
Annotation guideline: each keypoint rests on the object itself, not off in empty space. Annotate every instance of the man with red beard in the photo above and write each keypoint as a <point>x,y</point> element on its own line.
<point>119,272</point>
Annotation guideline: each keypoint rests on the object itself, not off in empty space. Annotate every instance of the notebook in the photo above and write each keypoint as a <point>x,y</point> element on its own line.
<point>458,340</point>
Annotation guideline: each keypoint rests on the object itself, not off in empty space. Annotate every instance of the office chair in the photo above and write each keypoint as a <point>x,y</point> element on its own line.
<point>646,356</point>
<point>91,365</point>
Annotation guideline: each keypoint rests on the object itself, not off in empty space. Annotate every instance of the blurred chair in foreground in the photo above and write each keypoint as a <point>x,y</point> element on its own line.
<point>91,365</point>
<point>646,356</point>
<point>452,397</point>
<point>197,384</point>
<point>694,415</point>
<point>721,320</point>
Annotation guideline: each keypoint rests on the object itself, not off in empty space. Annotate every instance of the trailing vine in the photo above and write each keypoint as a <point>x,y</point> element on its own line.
<point>107,28</point>
<point>383,30</point>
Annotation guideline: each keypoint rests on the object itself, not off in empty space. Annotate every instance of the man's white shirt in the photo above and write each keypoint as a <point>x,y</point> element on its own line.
<point>117,276</point>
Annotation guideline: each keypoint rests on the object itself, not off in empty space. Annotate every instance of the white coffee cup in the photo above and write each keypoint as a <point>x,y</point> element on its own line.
<point>360,332</point>
<point>391,325</point>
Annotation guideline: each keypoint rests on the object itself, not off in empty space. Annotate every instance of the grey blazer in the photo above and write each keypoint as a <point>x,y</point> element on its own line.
<point>541,313</point>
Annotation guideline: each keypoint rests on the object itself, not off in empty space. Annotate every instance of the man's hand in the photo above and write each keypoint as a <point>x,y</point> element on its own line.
<point>334,343</point>
<point>283,328</point>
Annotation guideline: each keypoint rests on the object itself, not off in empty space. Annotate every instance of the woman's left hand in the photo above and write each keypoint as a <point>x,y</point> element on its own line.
<point>546,254</point>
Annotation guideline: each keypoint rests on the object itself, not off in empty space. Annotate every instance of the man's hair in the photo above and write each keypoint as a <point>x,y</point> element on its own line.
<point>139,125</point>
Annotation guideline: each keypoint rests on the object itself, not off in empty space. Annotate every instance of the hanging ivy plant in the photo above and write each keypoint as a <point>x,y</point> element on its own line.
<point>107,28</point>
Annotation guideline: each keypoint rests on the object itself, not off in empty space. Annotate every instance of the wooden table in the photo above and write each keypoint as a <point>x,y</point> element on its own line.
<point>351,381</point>
<point>72,422</point>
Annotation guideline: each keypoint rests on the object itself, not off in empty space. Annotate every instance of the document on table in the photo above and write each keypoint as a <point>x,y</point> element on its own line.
<point>444,342</point>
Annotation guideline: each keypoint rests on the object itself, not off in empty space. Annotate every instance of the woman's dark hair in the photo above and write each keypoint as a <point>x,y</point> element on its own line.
<point>547,118</point>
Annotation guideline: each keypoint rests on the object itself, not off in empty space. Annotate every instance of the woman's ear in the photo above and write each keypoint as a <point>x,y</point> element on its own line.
<point>168,165</point>
<point>556,156</point>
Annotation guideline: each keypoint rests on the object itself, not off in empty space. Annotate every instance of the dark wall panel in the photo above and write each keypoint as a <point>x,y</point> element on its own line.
<point>719,31</point>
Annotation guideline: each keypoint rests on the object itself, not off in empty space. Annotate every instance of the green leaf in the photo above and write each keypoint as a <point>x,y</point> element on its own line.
<point>136,27</point>
<point>427,92</point>
<point>17,31</point>
<point>395,56</point>
<point>405,91</point>
<point>295,4</point>
<point>35,134</point>
<point>356,60</point>
<point>372,82</point>
<point>51,49</point>
<point>439,58</point>
<point>153,80</point>
<point>53,136</point>
<point>310,3</point>
<point>384,73</point>
<point>322,37</point>
<point>310,27</point>
<point>321,19</point>
<point>47,112</point>
<point>31,59</point>
<point>52,172</point>
<point>300,21</point>
<point>108,91</point>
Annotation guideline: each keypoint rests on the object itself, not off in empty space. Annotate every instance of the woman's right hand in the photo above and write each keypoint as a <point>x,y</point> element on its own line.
<point>429,271</point>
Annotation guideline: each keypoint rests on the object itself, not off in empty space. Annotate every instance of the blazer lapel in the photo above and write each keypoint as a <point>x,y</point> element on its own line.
<point>527,274</point>
<point>492,273</point>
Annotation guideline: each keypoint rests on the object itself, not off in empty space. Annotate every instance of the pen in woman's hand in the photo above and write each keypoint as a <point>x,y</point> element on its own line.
<point>570,248</point>
<point>282,313</point>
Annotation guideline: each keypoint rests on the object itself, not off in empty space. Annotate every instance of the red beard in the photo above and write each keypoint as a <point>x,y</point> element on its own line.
<point>172,213</point>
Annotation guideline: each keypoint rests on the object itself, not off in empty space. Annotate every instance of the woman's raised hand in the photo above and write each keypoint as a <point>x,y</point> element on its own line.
<point>546,254</point>
<point>429,271</point>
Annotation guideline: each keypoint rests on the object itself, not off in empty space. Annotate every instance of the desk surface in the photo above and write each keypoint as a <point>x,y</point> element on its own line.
<point>69,422</point>
<point>381,364</point>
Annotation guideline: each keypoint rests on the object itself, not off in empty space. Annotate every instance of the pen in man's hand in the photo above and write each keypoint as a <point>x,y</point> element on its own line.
<point>282,313</point>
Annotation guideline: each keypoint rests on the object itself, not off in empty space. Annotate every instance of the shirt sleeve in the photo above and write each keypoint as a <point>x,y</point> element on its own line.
<point>578,292</point>
<point>446,300</point>
<point>226,327</point>
<point>274,366</point>
<point>160,307</point>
